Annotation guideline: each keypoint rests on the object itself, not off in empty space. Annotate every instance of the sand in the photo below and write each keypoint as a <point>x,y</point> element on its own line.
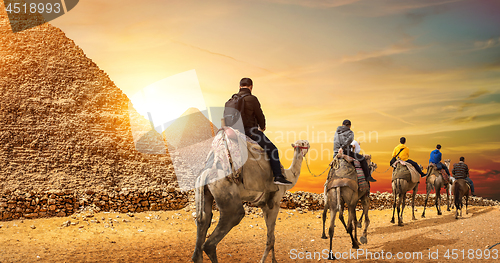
<point>169,236</point>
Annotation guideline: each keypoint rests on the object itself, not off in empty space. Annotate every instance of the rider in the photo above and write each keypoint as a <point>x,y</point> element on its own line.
<point>461,171</point>
<point>355,146</point>
<point>405,155</point>
<point>343,139</point>
<point>253,118</point>
<point>436,159</point>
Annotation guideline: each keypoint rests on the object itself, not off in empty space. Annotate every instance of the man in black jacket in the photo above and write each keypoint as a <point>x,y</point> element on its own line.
<point>343,139</point>
<point>253,118</point>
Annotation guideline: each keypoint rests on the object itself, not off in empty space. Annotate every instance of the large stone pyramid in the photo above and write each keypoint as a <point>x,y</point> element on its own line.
<point>63,123</point>
<point>190,128</point>
<point>189,139</point>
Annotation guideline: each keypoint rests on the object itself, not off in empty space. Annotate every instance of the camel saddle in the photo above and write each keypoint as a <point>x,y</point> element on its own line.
<point>342,174</point>
<point>406,171</point>
<point>446,178</point>
<point>231,149</point>
<point>258,158</point>
<point>466,183</point>
<point>442,172</point>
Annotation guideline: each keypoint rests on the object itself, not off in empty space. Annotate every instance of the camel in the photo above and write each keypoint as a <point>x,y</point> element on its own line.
<point>230,195</point>
<point>372,166</point>
<point>344,190</point>
<point>365,203</point>
<point>399,188</point>
<point>436,181</point>
<point>461,189</point>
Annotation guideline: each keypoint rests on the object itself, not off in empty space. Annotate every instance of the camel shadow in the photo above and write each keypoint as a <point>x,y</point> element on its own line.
<point>416,243</point>
<point>429,222</point>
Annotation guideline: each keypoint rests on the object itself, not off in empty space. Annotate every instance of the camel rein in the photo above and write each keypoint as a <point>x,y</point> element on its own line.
<point>307,163</point>
<point>383,171</point>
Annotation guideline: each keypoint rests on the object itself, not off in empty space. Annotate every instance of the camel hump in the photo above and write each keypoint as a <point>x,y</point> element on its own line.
<point>401,172</point>
<point>343,174</point>
<point>344,170</point>
<point>462,182</point>
<point>254,146</point>
<point>431,178</point>
<point>257,174</point>
<point>433,170</point>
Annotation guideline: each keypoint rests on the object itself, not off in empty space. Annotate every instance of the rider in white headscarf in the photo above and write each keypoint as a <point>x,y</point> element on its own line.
<point>356,147</point>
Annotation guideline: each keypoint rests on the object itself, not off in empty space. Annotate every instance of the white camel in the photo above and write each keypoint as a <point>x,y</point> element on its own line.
<point>230,195</point>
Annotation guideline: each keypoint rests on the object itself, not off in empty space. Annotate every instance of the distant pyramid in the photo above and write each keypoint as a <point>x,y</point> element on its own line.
<point>189,140</point>
<point>63,123</point>
<point>190,128</point>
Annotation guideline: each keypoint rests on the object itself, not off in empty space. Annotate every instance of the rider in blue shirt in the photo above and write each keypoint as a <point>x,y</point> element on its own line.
<point>436,159</point>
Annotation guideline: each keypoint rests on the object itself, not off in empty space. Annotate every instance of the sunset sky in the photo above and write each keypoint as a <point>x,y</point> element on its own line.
<point>428,70</point>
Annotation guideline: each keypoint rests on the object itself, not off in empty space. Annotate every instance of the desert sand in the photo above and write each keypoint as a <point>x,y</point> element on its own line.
<point>169,236</point>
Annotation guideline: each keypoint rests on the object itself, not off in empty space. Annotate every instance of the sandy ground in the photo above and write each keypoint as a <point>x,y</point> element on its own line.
<point>170,237</point>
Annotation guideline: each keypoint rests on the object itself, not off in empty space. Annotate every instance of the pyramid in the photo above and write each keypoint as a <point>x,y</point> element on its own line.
<point>189,139</point>
<point>190,128</point>
<point>64,123</point>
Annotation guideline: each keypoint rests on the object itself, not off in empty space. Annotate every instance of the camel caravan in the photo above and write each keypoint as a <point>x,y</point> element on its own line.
<point>243,166</point>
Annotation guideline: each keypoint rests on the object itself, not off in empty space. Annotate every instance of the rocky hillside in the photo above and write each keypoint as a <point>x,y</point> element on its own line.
<point>64,125</point>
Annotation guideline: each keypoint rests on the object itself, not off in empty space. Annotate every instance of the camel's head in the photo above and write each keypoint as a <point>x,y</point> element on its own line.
<point>371,165</point>
<point>302,146</point>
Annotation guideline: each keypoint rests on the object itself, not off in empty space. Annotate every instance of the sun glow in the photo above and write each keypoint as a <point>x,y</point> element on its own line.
<point>166,100</point>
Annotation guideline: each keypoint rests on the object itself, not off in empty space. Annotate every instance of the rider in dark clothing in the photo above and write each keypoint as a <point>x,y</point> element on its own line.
<point>343,139</point>
<point>253,118</point>
<point>461,171</point>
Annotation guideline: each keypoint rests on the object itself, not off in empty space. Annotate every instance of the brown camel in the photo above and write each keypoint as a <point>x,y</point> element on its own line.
<point>435,181</point>
<point>461,189</point>
<point>230,195</point>
<point>372,166</point>
<point>343,189</point>
<point>402,183</point>
<point>364,197</point>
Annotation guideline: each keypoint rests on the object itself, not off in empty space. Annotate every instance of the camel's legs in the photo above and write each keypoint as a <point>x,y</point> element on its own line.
<point>352,222</point>
<point>203,225</point>
<point>426,198</point>
<point>231,213</point>
<point>415,189</point>
<point>452,196</point>
<point>461,205</point>
<point>398,206</point>
<point>365,202</point>
<point>341,217</point>
<point>270,217</point>
<point>438,200</point>
<point>333,214</point>
<point>401,203</point>
<point>360,221</point>
<point>447,189</point>
<point>325,212</point>
<point>394,193</point>
<point>467,202</point>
